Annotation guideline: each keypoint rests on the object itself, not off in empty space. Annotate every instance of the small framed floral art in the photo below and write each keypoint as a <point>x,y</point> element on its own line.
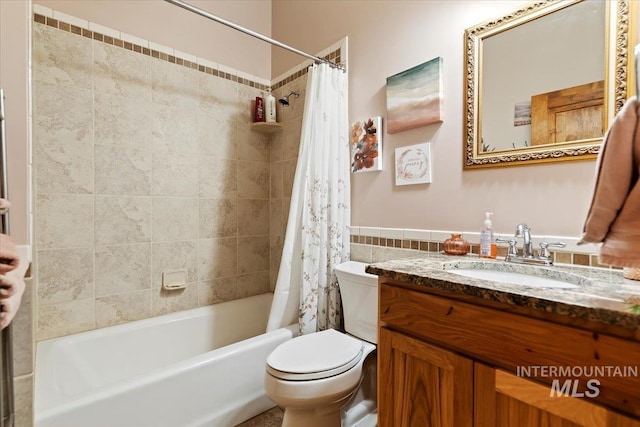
<point>366,145</point>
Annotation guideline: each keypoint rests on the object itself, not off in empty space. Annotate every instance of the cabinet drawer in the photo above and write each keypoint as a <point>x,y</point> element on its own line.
<point>519,344</point>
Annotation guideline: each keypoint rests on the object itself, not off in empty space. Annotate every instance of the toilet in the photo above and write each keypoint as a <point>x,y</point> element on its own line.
<point>314,376</point>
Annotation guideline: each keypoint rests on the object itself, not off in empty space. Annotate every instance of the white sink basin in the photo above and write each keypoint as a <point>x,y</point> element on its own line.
<point>512,278</point>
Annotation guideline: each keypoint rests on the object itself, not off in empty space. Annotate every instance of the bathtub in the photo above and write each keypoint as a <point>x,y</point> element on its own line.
<point>202,367</point>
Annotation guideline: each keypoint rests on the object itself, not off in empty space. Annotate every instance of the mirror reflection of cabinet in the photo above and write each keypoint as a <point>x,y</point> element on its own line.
<point>571,114</point>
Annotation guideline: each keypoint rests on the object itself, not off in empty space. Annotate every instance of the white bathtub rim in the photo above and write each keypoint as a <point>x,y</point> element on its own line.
<point>160,374</point>
<point>140,324</point>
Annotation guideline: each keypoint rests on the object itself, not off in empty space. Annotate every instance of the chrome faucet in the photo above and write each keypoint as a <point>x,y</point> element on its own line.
<point>527,255</point>
<point>523,230</point>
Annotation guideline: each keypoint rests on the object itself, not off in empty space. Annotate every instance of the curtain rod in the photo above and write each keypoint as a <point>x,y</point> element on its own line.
<point>206,14</point>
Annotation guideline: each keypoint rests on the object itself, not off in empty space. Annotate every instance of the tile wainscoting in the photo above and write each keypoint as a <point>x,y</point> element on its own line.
<point>374,244</point>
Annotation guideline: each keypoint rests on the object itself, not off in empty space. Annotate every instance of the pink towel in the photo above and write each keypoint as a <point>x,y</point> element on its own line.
<point>614,215</point>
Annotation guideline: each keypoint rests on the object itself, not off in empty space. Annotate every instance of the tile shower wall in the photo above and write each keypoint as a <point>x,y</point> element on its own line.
<point>284,158</point>
<point>142,166</point>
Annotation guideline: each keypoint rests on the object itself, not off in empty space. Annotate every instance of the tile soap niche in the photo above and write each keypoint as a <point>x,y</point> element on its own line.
<point>174,280</point>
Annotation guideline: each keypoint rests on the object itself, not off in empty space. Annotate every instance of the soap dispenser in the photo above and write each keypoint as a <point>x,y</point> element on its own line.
<point>488,247</point>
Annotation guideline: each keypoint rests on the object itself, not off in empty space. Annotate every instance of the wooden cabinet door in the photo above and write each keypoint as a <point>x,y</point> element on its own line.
<point>420,385</point>
<point>505,400</point>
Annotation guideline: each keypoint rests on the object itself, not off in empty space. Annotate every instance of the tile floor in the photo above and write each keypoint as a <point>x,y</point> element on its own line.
<point>271,418</point>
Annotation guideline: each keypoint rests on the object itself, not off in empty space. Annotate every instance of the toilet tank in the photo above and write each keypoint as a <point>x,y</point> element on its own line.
<point>359,292</point>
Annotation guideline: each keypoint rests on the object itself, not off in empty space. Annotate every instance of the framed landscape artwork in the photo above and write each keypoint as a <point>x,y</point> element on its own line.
<point>522,113</point>
<point>414,97</point>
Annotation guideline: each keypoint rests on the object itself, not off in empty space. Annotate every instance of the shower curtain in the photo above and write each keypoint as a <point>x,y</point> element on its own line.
<point>317,236</point>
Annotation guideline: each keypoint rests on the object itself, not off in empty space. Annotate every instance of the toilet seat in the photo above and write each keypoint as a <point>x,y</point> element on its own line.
<point>315,356</point>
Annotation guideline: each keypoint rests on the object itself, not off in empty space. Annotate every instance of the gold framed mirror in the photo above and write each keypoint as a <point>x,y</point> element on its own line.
<point>543,82</point>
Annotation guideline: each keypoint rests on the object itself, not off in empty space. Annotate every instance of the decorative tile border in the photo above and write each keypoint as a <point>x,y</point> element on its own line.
<point>432,241</point>
<point>111,37</point>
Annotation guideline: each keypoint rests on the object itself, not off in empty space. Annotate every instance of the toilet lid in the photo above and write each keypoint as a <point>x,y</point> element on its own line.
<point>319,355</point>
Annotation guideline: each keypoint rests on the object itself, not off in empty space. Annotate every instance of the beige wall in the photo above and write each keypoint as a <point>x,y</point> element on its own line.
<point>388,37</point>
<point>172,26</point>
<point>14,75</point>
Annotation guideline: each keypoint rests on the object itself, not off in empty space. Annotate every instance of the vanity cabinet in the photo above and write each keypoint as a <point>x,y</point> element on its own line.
<point>421,384</point>
<point>506,400</point>
<point>447,362</point>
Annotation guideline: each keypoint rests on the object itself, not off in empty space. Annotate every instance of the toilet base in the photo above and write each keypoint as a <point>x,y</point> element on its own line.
<point>310,418</point>
<point>318,403</point>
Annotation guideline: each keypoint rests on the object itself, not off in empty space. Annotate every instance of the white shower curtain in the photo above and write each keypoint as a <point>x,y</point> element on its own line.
<point>317,236</point>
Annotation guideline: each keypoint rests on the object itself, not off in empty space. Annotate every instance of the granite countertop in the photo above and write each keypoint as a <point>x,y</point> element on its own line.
<point>600,295</point>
